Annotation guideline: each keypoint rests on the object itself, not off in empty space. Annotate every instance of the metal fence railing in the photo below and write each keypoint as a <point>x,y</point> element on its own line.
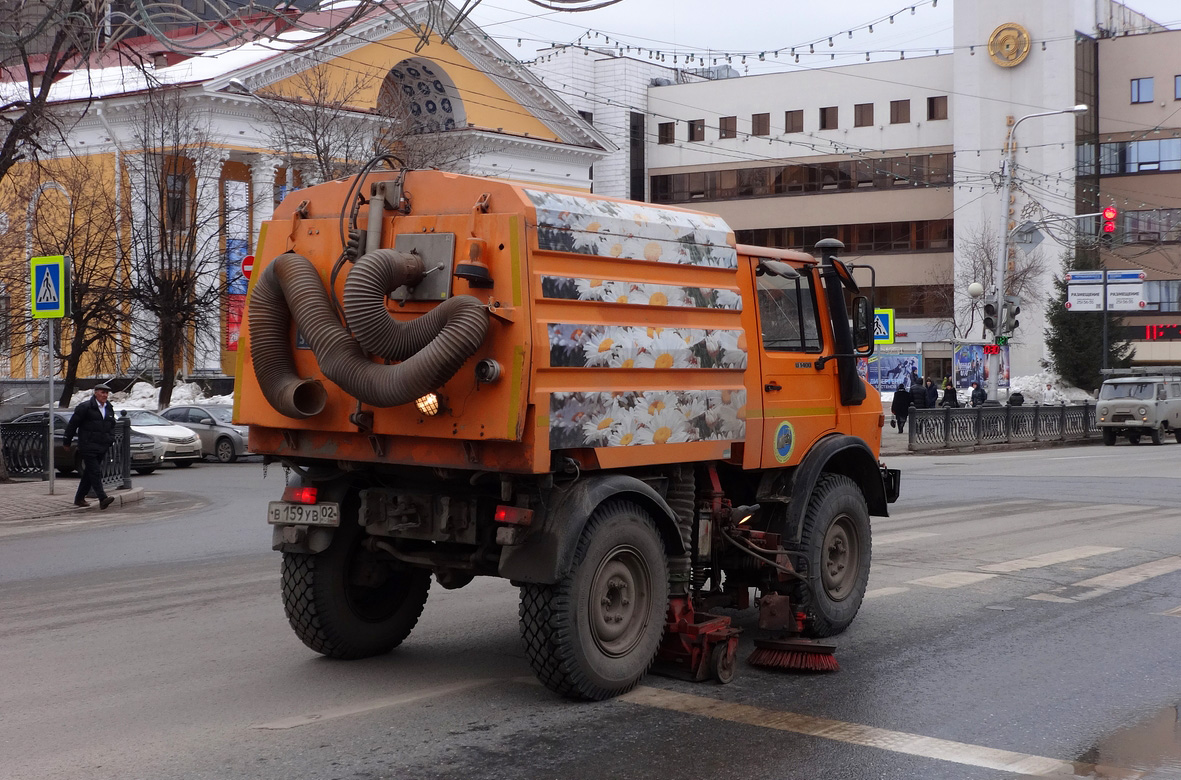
<point>26,453</point>
<point>948,428</point>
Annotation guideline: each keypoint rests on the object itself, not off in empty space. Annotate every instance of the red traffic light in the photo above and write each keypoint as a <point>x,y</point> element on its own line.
<point>1109,215</point>
<point>1110,212</point>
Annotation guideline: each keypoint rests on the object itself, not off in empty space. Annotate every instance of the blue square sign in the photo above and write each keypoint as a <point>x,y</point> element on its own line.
<point>48,278</point>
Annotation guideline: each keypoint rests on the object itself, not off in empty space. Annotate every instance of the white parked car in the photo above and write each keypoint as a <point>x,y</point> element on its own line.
<point>181,446</point>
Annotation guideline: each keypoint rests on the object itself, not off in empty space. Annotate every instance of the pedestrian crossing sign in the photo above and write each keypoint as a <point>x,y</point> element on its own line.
<point>883,326</point>
<point>50,285</point>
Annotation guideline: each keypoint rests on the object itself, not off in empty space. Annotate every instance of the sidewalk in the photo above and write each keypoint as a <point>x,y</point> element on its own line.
<point>29,500</point>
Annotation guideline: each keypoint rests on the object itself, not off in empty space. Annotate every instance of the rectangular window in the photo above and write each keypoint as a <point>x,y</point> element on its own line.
<point>793,121</point>
<point>1142,90</point>
<point>1176,87</point>
<point>937,107</point>
<point>828,118</point>
<point>666,133</point>
<point>728,127</point>
<point>863,115</point>
<point>587,116</point>
<point>637,163</point>
<point>787,314</point>
<point>760,124</point>
<point>899,112</point>
<point>696,129</point>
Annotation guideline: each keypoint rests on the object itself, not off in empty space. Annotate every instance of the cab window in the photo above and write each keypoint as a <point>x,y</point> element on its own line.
<point>787,314</point>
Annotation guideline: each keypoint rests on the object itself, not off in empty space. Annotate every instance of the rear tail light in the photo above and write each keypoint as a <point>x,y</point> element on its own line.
<point>513,515</point>
<point>299,495</point>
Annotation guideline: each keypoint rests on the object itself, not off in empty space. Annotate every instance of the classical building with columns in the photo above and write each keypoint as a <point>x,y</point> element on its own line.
<point>494,117</point>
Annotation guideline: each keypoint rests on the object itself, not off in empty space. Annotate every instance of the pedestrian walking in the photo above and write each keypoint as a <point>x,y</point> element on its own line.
<point>1049,395</point>
<point>979,394</point>
<point>94,422</point>
<point>900,407</point>
<point>932,394</point>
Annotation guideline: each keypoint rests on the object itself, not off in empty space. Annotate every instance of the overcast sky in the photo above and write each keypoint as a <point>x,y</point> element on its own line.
<point>750,26</point>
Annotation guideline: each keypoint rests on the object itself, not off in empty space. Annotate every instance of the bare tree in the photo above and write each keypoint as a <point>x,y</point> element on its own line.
<point>75,215</point>
<point>175,270</point>
<point>975,261</point>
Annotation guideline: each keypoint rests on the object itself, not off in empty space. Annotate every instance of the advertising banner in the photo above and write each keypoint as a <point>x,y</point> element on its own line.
<point>971,365</point>
<point>886,372</point>
<point>234,306</point>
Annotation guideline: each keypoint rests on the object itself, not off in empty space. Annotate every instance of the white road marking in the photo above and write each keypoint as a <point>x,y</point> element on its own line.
<point>896,537</point>
<point>1112,581</point>
<point>869,736</point>
<point>1175,612</point>
<point>1047,559</point>
<point>369,706</point>
<point>953,579</point>
<point>879,592</point>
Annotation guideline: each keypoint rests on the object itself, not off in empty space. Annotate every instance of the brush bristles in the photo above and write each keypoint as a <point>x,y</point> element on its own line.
<point>794,660</point>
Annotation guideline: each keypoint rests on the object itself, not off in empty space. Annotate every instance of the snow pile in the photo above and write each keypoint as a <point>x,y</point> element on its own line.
<point>1032,386</point>
<point>143,395</point>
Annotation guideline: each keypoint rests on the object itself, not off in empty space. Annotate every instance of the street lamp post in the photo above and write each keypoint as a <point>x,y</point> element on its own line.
<point>1002,257</point>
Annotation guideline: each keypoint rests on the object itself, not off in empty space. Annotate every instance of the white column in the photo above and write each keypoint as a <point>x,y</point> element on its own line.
<point>210,262</point>
<point>262,194</point>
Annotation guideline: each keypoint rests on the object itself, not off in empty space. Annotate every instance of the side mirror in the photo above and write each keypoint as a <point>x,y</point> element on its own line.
<point>776,268</point>
<point>862,325</point>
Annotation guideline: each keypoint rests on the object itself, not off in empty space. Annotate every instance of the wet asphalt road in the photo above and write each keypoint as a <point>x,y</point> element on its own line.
<point>154,645</point>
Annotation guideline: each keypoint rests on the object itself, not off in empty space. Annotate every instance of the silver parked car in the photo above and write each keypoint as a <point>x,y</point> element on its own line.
<point>215,427</point>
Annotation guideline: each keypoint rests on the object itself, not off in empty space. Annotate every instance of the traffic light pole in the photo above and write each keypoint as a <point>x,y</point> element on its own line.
<point>1002,256</point>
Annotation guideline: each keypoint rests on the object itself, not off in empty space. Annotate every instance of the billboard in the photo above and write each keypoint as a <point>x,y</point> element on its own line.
<point>886,372</point>
<point>971,365</point>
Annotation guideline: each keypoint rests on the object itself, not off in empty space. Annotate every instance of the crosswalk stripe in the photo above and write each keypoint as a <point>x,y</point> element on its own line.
<point>902,742</point>
<point>1048,559</point>
<point>1175,612</point>
<point>953,579</point>
<point>1106,583</point>
<point>896,537</point>
<point>879,592</point>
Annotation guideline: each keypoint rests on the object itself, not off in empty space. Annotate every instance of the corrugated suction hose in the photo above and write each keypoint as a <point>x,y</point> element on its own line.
<point>431,351</point>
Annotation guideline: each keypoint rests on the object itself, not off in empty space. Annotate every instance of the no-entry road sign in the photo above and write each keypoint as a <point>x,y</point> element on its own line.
<point>247,265</point>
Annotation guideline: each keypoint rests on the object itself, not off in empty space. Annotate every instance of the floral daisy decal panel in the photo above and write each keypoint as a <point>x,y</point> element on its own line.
<point>588,226</point>
<point>639,293</point>
<point>642,418</point>
<point>640,347</point>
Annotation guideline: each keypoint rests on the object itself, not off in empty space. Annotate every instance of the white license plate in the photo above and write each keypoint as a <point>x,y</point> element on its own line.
<point>283,513</point>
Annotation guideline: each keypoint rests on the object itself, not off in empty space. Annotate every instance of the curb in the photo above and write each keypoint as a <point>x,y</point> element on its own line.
<point>1024,445</point>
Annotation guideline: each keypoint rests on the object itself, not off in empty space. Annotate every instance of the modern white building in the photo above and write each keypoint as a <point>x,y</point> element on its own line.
<point>905,160</point>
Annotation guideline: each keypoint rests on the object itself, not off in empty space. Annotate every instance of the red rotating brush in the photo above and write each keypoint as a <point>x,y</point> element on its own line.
<point>800,655</point>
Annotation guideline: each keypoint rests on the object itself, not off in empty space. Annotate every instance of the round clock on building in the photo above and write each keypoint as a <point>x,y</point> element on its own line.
<point>1008,45</point>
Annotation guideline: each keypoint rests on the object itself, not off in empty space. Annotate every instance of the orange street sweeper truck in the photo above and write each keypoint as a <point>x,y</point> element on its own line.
<point>609,403</point>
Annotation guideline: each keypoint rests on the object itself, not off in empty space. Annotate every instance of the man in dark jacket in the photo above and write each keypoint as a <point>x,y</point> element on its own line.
<point>932,393</point>
<point>979,394</point>
<point>94,422</point>
<point>900,407</point>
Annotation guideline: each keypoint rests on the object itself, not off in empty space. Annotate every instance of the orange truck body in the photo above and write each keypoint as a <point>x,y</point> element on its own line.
<point>597,304</point>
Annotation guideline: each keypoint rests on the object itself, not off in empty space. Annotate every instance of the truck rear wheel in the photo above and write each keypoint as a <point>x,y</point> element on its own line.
<point>348,602</point>
<point>594,633</point>
<point>836,547</point>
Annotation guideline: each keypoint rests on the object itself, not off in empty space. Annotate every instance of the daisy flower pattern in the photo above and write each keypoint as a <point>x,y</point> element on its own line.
<point>634,419</point>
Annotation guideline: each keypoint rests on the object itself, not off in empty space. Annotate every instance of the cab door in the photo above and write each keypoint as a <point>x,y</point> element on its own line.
<point>799,402</point>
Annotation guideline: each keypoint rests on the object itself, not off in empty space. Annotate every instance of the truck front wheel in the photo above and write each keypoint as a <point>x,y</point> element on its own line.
<point>349,602</point>
<point>594,633</point>
<point>836,547</point>
<point>1109,437</point>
